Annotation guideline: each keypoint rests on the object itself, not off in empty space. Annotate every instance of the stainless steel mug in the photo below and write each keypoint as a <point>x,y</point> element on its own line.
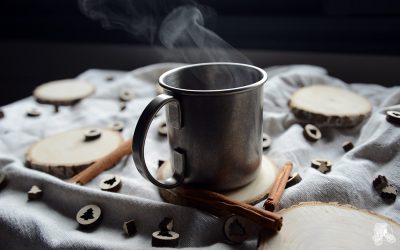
<point>214,122</point>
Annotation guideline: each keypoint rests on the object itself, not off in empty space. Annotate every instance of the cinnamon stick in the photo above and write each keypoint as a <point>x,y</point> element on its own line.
<point>276,192</point>
<point>103,164</point>
<point>216,201</point>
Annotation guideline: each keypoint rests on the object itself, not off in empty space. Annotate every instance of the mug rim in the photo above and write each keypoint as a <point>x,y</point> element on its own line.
<point>214,91</point>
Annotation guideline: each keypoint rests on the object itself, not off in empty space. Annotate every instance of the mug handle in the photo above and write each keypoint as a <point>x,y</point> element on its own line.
<point>139,137</point>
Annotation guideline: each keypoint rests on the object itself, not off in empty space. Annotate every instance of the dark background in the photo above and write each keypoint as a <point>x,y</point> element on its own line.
<point>358,41</point>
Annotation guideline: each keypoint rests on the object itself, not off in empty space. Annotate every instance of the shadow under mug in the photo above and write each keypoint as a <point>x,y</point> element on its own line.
<point>214,122</point>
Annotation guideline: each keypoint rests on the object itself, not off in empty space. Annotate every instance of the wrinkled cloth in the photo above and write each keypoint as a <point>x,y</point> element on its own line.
<point>49,222</point>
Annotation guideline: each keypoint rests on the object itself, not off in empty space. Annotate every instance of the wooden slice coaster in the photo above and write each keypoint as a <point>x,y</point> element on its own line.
<point>329,106</point>
<point>63,92</point>
<point>65,154</point>
<point>252,193</point>
<point>317,225</point>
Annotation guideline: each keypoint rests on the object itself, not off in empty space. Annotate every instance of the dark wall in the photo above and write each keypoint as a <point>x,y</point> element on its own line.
<point>358,41</point>
<point>348,26</point>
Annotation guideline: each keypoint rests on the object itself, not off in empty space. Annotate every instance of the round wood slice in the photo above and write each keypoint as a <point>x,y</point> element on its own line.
<point>252,193</point>
<point>68,153</point>
<point>63,92</point>
<point>316,225</point>
<point>329,106</point>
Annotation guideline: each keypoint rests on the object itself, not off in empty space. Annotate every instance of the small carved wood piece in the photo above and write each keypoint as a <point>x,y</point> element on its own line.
<point>92,134</point>
<point>312,133</point>
<point>389,193</point>
<point>109,78</point>
<point>380,183</point>
<point>325,105</point>
<point>65,154</point>
<point>126,95</point>
<point>293,180</point>
<point>393,117</point>
<point>111,183</point>
<point>33,112</point>
<point>63,92</point>
<point>165,239</point>
<point>117,126</point>
<point>162,129</point>
<point>129,227</point>
<point>347,146</point>
<point>122,106</point>
<point>278,188</point>
<point>3,179</point>
<point>324,166</point>
<point>266,141</point>
<point>35,193</point>
<point>167,224</point>
<point>89,216</point>
<point>56,108</point>
<point>315,225</point>
<point>236,229</point>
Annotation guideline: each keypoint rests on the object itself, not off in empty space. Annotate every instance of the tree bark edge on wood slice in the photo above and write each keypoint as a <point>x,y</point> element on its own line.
<point>325,105</point>
<point>111,139</point>
<point>63,92</point>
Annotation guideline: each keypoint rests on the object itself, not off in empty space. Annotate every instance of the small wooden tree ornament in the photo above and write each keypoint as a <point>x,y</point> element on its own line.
<point>325,105</point>
<point>89,216</point>
<point>65,154</point>
<point>111,183</point>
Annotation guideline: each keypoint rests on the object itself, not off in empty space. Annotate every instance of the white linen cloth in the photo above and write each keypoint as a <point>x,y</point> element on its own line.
<point>49,223</point>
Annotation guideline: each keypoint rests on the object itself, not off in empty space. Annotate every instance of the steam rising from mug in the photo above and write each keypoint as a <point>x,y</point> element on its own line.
<point>176,24</point>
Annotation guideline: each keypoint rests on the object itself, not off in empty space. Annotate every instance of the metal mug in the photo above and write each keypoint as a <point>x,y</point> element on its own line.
<point>214,122</point>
